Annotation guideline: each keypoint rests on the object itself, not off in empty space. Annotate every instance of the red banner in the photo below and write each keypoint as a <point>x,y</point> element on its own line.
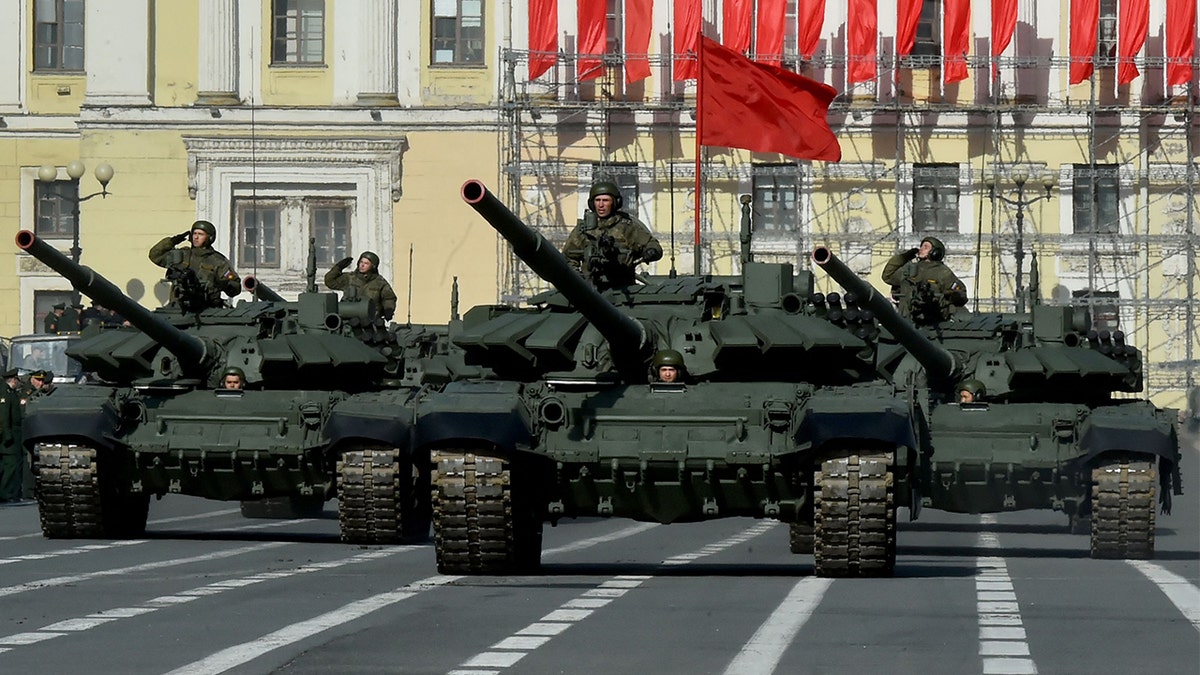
<point>1004,24</point>
<point>812,18</point>
<point>687,32</point>
<point>1181,41</point>
<point>1085,26</point>
<point>1135,21</point>
<point>543,36</point>
<point>593,39</point>
<point>760,107</point>
<point>908,12</point>
<point>638,22</point>
<point>956,39</point>
<point>736,24</point>
<point>861,41</point>
<point>772,19</point>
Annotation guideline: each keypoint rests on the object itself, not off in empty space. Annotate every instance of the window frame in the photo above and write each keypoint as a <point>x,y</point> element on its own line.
<point>64,195</point>
<point>460,58</point>
<point>241,248</point>
<point>336,252</point>
<point>942,178</point>
<point>302,40</point>
<point>784,178</point>
<point>57,46</point>
<point>927,52</point>
<point>1106,35</point>
<point>1087,191</point>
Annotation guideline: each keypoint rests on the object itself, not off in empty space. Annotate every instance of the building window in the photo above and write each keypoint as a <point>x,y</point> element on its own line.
<point>43,304</point>
<point>1106,43</point>
<point>928,44</point>
<point>626,178</point>
<point>298,32</point>
<point>1096,195</point>
<point>331,231</point>
<point>58,35</point>
<point>54,212</point>
<point>935,197</point>
<point>612,24</point>
<point>776,198</point>
<point>258,233</point>
<point>458,32</point>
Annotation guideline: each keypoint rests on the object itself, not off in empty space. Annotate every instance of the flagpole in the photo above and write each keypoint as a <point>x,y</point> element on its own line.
<point>699,148</point>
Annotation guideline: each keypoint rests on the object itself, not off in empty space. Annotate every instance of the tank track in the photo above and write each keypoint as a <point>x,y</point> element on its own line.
<point>478,528</point>
<point>801,537</point>
<point>376,497</point>
<point>1123,508</point>
<point>73,503</point>
<point>855,516</point>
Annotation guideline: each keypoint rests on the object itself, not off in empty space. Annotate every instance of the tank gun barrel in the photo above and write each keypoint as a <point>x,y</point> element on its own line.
<point>937,361</point>
<point>190,350</point>
<point>627,337</point>
<point>260,290</point>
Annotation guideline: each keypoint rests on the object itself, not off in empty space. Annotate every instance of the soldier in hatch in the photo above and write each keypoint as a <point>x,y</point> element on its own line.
<point>928,290</point>
<point>971,391</point>
<point>233,378</point>
<point>667,366</point>
<point>608,243</point>
<point>364,283</point>
<point>199,274</point>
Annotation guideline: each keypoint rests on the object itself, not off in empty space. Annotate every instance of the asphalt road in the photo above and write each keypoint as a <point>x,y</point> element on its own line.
<point>207,591</point>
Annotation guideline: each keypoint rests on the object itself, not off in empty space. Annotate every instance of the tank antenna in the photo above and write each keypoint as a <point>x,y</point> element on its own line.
<point>1035,280</point>
<point>454,300</point>
<point>671,178</point>
<point>312,265</point>
<point>410,282</point>
<point>746,233</point>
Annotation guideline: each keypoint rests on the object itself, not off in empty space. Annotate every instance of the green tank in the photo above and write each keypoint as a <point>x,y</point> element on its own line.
<point>778,414</point>
<point>1057,425</point>
<point>325,412</point>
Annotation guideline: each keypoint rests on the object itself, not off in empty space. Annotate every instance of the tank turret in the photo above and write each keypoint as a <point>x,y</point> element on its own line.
<point>193,353</point>
<point>938,362</point>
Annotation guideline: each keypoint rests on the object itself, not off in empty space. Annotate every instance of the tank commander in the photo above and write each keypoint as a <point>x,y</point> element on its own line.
<point>198,274</point>
<point>233,378</point>
<point>667,366</point>
<point>50,323</point>
<point>608,243</point>
<point>971,391</point>
<point>364,283</point>
<point>928,289</point>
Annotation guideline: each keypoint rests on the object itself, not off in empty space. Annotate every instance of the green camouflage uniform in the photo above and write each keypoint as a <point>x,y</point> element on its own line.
<point>358,286</point>
<point>630,235</point>
<point>908,275</point>
<point>212,269</point>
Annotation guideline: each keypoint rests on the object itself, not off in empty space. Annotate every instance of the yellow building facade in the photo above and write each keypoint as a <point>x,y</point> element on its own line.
<point>354,122</point>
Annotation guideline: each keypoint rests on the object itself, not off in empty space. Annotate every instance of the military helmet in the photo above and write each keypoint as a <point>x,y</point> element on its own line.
<point>605,187</point>
<point>974,386</point>
<point>207,228</point>
<point>667,357</point>
<point>233,370</point>
<point>938,249</point>
<point>372,258</point>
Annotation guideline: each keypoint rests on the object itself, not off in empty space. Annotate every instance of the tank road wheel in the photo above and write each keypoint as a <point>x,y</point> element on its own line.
<point>855,517</point>
<point>377,496</point>
<point>1123,502</point>
<point>481,524</point>
<point>75,501</point>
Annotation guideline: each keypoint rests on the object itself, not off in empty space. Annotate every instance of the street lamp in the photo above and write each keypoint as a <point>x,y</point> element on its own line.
<point>75,169</point>
<point>1020,176</point>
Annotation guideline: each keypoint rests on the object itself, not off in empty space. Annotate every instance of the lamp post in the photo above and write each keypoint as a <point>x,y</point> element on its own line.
<point>1020,176</point>
<point>75,169</point>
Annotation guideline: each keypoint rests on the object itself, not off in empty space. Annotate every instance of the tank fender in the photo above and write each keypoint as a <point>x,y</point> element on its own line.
<point>853,418</point>
<point>491,413</point>
<point>385,418</point>
<point>1135,427</point>
<point>73,414</point>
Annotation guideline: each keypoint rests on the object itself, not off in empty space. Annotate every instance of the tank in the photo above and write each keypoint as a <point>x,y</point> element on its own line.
<point>780,413</point>
<point>325,412</point>
<point>1056,428</point>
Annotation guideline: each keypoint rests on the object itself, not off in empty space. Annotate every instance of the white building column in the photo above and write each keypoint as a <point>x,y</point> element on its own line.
<point>12,52</point>
<point>377,53</point>
<point>218,80</point>
<point>408,63</point>
<point>117,53</point>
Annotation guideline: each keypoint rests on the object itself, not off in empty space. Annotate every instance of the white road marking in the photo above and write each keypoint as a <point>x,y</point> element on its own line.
<point>604,538</point>
<point>86,548</point>
<point>248,651</point>
<point>766,647</point>
<point>507,652</point>
<point>108,616</point>
<point>159,521</point>
<point>1002,644</point>
<point>1178,590</point>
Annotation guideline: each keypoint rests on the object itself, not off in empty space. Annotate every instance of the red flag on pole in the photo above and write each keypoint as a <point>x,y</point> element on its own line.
<point>743,104</point>
<point>908,12</point>
<point>772,19</point>
<point>638,22</point>
<point>543,36</point>
<point>1004,24</point>
<point>593,39</point>
<point>1181,41</point>
<point>735,24</point>
<point>1135,21</point>
<point>812,18</point>
<point>1085,17</point>
<point>956,24</point>
<point>861,40</point>
<point>687,31</point>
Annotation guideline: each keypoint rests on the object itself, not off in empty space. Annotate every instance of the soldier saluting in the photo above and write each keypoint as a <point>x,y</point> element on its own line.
<point>364,283</point>
<point>199,274</point>
<point>608,243</point>
<point>928,289</point>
